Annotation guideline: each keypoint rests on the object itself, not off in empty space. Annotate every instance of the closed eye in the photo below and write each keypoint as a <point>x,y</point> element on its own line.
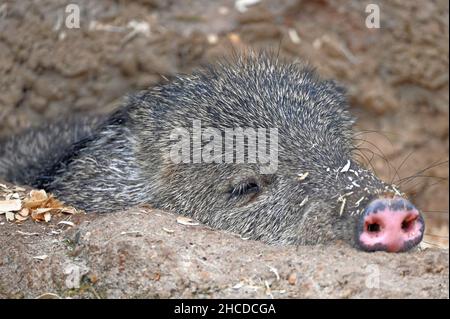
<point>244,188</point>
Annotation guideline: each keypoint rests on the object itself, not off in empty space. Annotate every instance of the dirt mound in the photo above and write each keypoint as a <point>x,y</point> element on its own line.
<point>147,254</point>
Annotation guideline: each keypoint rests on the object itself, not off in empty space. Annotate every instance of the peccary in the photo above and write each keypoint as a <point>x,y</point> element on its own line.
<point>316,194</point>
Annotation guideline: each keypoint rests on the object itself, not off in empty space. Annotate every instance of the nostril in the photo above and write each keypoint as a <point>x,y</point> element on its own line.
<point>373,227</point>
<point>409,223</point>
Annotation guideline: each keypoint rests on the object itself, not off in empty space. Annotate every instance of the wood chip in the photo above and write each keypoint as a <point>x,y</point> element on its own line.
<point>27,234</point>
<point>38,194</point>
<point>10,216</point>
<point>346,167</point>
<point>24,212</point>
<point>38,205</point>
<point>304,201</point>
<point>48,295</point>
<point>20,218</point>
<point>12,196</point>
<point>341,210</point>
<point>66,222</point>
<point>40,199</point>
<point>12,205</point>
<point>167,230</point>
<point>302,176</point>
<point>41,257</point>
<point>187,221</point>
<point>68,210</point>
<point>47,216</point>
<point>40,213</point>
<point>292,279</point>
<point>242,5</point>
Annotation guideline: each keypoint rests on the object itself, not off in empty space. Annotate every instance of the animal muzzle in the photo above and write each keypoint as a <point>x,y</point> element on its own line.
<point>390,224</point>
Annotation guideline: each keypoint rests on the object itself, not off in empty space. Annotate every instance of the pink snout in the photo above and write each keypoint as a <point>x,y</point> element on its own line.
<point>390,224</point>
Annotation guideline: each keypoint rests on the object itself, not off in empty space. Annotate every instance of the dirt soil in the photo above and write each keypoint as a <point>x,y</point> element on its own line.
<point>144,253</point>
<point>397,81</point>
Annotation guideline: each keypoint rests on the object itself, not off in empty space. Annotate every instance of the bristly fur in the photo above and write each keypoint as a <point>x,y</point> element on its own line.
<point>122,162</point>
